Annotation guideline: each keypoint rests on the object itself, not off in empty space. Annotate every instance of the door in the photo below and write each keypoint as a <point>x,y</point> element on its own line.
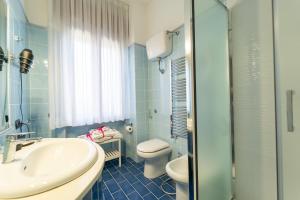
<point>287,57</point>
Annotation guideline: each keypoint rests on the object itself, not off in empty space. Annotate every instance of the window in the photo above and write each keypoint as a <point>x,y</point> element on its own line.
<point>88,66</point>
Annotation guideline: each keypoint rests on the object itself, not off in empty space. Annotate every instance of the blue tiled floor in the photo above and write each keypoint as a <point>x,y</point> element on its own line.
<point>128,183</point>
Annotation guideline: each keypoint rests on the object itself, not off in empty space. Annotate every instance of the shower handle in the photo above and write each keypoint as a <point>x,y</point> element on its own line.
<point>289,110</point>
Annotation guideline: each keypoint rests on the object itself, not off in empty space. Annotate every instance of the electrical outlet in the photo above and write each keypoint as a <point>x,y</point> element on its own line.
<point>18,124</point>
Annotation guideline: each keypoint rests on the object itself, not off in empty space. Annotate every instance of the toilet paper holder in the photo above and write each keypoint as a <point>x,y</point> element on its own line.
<point>129,127</point>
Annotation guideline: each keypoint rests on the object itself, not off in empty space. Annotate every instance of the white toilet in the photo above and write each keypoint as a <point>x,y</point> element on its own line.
<point>156,154</point>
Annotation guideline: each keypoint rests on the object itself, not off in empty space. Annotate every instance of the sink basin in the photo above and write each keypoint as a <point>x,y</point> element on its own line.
<point>177,169</point>
<point>46,165</point>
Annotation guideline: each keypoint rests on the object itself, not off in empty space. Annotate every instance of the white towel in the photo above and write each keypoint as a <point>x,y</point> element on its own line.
<point>101,134</point>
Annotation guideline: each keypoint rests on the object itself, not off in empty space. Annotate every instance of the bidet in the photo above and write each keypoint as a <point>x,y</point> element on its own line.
<point>177,169</point>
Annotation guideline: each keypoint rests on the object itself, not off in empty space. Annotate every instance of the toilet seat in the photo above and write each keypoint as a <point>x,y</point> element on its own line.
<point>152,146</point>
<point>155,154</point>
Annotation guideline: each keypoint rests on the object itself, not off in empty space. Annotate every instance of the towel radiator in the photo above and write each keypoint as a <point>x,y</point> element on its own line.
<point>179,98</point>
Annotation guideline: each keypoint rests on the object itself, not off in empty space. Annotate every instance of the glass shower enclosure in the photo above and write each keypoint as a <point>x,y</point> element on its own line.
<point>212,101</point>
<point>287,73</point>
<point>247,99</point>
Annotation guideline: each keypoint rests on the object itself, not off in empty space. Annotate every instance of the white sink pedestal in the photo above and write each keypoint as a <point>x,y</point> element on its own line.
<point>182,191</point>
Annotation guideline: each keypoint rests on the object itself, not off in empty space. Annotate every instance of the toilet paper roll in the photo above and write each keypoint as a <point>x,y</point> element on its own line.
<point>129,129</point>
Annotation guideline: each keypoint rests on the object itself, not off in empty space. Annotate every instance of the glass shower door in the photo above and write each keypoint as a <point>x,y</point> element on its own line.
<point>212,96</point>
<point>287,48</point>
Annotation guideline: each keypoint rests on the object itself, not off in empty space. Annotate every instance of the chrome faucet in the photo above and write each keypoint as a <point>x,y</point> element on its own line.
<point>13,144</point>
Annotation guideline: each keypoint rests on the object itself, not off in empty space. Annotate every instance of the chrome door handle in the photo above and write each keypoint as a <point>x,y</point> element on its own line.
<point>289,110</point>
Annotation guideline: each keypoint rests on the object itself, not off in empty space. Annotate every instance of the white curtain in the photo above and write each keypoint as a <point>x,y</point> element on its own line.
<point>88,62</point>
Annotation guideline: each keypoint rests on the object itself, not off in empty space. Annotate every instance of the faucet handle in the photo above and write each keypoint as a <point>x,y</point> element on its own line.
<point>14,136</point>
<point>179,154</point>
<point>10,137</point>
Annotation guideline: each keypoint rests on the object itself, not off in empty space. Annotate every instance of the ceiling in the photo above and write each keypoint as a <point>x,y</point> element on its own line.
<point>37,10</point>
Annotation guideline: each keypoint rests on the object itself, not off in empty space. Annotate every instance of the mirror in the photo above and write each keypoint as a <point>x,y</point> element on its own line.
<point>3,68</point>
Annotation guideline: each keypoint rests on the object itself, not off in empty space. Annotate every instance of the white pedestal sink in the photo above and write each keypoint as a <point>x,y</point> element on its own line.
<point>177,169</point>
<point>49,164</point>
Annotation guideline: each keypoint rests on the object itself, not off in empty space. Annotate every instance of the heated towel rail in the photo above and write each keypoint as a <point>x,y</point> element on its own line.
<point>179,98</point>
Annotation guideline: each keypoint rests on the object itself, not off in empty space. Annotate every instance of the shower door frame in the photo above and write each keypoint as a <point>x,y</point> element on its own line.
<point>276,90</point>
<point>193,157</point>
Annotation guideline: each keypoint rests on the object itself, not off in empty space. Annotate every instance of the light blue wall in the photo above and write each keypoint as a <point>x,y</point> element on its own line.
<point>17,28</point>
<point>141,81</point>
<point>38,79</point>
<point>139,71</point>
<point>3,72</point>
<point>151,92</point>
<point>17,41</point>
<point>159,97</point>
<point>3,22</point>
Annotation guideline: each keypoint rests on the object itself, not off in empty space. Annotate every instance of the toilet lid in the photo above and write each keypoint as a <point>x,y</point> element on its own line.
<point>153,145</point>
